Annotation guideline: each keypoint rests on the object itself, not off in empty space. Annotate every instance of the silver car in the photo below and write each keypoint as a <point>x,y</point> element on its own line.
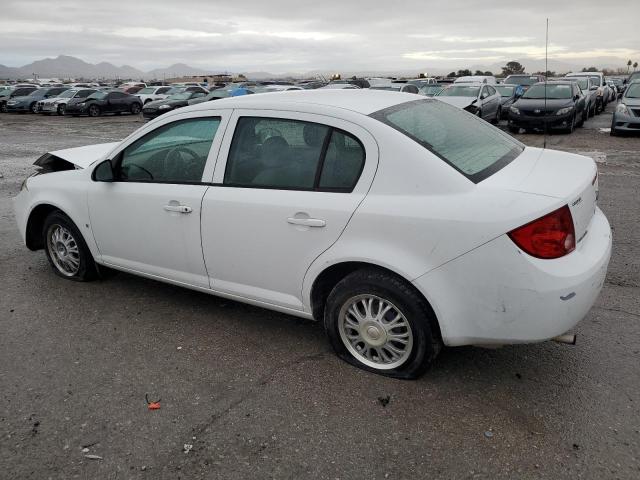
<point>479,99</point>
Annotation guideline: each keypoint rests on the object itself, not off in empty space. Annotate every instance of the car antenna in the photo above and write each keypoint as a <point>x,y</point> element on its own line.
<point>546,73</point>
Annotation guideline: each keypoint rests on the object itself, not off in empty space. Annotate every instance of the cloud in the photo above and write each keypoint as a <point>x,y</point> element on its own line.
<point>333,35</point>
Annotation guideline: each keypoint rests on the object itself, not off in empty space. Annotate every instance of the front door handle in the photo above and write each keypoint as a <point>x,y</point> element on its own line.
<point>178,208</point>
<point>307,222</point>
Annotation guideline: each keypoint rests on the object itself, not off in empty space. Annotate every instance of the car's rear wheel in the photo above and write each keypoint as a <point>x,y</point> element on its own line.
<point>3,107</point>
<point>135,108</point>
<point>377,322</point>
<point>513,129</point>
<point>94,111</point>
<point>66,249</point>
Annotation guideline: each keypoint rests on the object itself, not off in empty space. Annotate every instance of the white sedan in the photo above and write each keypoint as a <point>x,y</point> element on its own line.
<point>403,224</point>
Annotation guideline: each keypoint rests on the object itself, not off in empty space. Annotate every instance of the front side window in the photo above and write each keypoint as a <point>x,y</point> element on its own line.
<point>471,146</point>
<point>292,154</point>
<point>173,153</point>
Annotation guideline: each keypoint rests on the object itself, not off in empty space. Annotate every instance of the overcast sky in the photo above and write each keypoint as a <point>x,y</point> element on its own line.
<point>302,35</point>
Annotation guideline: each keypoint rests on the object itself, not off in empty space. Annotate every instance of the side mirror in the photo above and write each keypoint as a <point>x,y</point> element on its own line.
<point>103,172</point>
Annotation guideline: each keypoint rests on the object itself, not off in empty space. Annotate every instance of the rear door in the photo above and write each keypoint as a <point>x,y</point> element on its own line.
<point>285,193</point>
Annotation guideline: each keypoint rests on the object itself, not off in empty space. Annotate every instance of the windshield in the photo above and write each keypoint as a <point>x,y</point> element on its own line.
<point>180,96</point>
<point>553,92</point>
<point>220,93</point>
<point>583,83</point>
<point>68,94</point>
<point>174,90</point>
<point>98,95</point>
<point>38,92</point>
<point>521,80</point>
<point>504,90</point>
<point>468,144</point>
<point>147,90</point>
<point>431,89</point>
<point>633,91</point>
<point>460,91</point>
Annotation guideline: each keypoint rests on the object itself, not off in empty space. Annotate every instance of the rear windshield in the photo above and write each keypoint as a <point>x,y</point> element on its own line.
<point>470,145</point>
<point>521,80</point>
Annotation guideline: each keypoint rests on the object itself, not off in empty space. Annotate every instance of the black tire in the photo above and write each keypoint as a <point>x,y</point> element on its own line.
<point>426,343</point>
<point>498,115</point>
<point>86,269</point>
<point>572,126</point>
<point>583,118</point>
<point>94,111</point>
<point>513,129</point>
<point>33,107</point>
<point>592,111</point>
<point>61,108</point>
<point>136,108</point>
<point>3,107</point>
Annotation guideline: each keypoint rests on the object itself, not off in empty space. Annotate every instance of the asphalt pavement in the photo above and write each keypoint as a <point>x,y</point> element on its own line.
<point>248,393</point>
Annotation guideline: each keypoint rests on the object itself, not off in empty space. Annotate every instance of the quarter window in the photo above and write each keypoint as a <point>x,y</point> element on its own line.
<point>292,155</point>
<point>173,153</point>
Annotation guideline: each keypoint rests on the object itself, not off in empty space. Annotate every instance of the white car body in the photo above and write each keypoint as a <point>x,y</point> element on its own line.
<point>410,213</point>
<point>153,93</point>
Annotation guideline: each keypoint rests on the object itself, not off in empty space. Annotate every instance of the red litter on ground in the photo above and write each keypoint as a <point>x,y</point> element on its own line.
<point>152,405</point>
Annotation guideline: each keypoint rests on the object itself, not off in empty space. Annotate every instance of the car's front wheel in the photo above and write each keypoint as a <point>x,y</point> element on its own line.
<point>94,111</point>
<point>135,108</point>
<point>66,249</point>
<point>33,107</point>
<point>378,322</point>
<point>61,109</point>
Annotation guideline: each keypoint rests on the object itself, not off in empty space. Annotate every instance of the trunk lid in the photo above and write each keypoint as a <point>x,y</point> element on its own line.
<point>568,177</point>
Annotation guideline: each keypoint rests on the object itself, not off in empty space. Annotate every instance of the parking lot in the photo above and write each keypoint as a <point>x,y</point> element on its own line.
<point>249,393</point>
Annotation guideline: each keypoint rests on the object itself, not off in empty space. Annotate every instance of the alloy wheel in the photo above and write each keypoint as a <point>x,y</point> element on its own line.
<point>375,332</point>
<point>63,249</point>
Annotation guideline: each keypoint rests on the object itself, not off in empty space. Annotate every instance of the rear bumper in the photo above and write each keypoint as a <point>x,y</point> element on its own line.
<point>497,294</point>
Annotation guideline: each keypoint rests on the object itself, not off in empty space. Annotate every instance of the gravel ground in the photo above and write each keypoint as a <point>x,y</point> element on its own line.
<point>248,393</point>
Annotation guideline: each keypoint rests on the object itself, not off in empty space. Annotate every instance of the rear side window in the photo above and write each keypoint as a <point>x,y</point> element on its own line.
<point>293,155</point>
<point>470,145</point>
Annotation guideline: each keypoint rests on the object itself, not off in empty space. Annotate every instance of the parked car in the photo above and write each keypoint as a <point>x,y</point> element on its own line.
<point>399,87</point>
<point>508,95</point>
<point>29,103</point>
<point>602,92</point>
<point>589,90</point>
<point>160,107</point>
<point>432,90</point>
<point>150,94</point>
<point>221,93</point>
<point>358,82</point>
<point>9,93</point>
<point>554,105</point>
<point>626,117</point>
<point>479,99</point>
<point>523,82</point>
<point>59,104</point>
<point>422,82</point>
<point>500,243</point>
<point>633,77</point>
<point>477,79</point>
<point>100,102</point>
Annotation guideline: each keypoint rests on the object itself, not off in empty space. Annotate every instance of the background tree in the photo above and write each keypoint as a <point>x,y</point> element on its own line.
<point>452,74</point>
<point>512,68</point>
<point>464,73</point>
<point>590,69</point>
<point>629,65</point>
<point>635,65</point>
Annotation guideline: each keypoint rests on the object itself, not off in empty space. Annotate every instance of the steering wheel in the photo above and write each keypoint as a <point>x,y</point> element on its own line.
<point>265,133</point>
<point>176,166</point>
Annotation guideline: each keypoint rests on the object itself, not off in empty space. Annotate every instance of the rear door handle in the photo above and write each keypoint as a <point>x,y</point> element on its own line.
<point>307,222</point>
<point>178,208</point>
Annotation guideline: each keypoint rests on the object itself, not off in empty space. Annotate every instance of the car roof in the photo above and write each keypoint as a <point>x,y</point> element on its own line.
<point>364,101</point>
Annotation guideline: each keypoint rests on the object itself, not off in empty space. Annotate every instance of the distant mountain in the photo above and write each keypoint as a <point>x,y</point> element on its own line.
<point>65,66</point>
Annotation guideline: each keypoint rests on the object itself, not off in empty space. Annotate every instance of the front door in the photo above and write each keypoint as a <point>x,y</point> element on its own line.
<point>148,219</point>
<point>290,184</point>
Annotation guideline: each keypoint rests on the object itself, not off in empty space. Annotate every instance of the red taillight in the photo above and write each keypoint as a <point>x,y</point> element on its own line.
<point>551,236</point>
